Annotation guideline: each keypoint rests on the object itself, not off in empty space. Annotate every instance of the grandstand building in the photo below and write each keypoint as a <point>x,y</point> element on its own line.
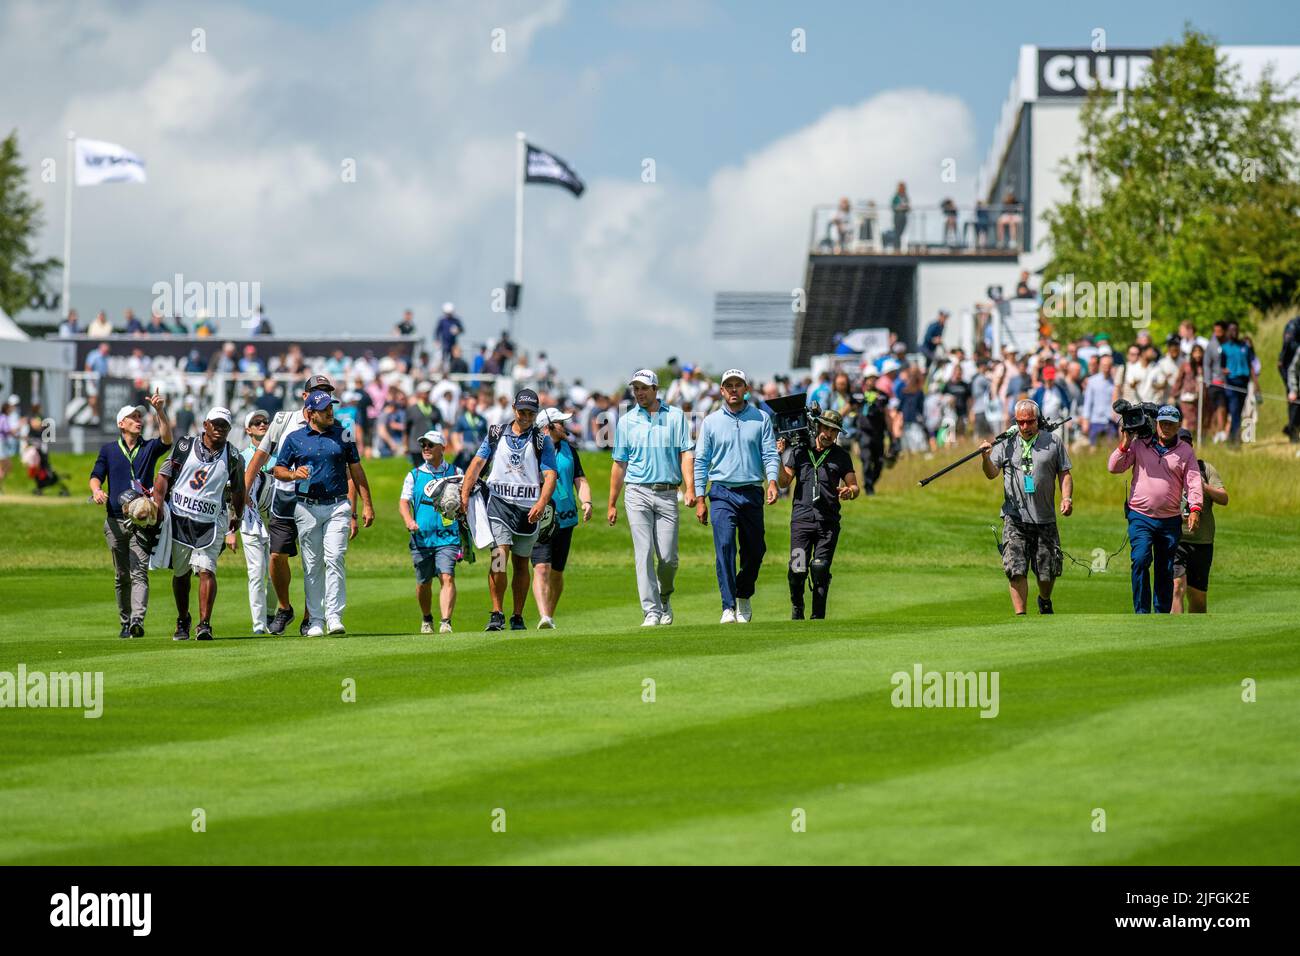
<point>861,273</point>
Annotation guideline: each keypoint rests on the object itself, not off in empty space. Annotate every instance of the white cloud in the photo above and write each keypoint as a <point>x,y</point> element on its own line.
<point>244,145</point>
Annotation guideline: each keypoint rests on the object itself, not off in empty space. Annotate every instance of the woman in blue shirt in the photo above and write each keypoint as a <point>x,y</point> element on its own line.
<point>572,492</point>
<point>1239,364</point>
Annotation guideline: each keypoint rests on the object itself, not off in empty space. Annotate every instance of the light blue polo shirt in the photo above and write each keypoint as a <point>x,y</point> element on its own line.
<point>651,445</point>
<point>735,450</point>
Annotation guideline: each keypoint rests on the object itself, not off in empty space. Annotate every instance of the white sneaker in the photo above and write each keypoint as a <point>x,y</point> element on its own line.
<point>666,615</point>
<point>444,627</point>
<point>426,627</point>
<point>651,620</point>
<point>546,624</point>
<point>315,630</point>
<point>335,626</point>
<point>728,616</point>
<point>743,611</point>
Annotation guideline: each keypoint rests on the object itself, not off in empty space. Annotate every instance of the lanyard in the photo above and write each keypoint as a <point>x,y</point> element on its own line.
<point>817,463</point>
<point>1027,454</point>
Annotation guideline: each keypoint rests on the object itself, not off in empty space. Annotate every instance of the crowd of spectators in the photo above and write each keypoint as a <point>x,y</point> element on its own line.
<point>858,228</point>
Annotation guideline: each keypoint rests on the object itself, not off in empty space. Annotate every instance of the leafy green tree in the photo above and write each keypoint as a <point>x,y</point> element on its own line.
<point>21,273</point>
<point>1187,183</point>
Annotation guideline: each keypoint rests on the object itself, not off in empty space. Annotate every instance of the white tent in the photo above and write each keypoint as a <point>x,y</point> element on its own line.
<point>53,359</point>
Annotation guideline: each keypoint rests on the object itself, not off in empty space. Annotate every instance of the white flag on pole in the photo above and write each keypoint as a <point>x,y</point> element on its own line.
<point>98,162</point>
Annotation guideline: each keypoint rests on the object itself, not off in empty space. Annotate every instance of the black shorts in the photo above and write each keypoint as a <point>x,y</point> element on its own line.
<point>1194,560</point>
<point>1217,396</point>
<point>284,536</point>
<point>554,552</point>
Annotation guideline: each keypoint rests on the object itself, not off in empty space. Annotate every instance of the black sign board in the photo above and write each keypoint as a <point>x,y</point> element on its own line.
<point>1073,73</point>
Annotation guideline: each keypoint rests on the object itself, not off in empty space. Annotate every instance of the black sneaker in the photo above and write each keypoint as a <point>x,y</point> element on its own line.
<point>497,622</point>
<point>182,629</point>
<point>137,627</point>
<point>1045,605</point>
<point>303,625</point>
<point>796,613</point>
<point>203,632</point>
<point>517,623</point>
<point>125,632</point>
<point>283,615</point>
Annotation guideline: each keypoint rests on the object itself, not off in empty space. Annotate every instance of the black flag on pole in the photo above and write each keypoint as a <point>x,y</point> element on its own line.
<point>544,167</point>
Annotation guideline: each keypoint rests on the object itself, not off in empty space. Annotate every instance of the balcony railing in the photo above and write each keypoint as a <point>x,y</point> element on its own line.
<point>871,229</point>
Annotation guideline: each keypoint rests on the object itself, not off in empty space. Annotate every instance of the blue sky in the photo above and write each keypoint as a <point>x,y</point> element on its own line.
<point>244,143</point>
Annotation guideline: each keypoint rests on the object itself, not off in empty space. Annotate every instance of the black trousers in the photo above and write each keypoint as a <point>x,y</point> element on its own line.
<point>812,549</point>
<point>873,462</point>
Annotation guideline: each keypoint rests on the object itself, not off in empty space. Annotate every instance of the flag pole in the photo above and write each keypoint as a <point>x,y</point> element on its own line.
<point>68,173</point>
<point>520,170</point>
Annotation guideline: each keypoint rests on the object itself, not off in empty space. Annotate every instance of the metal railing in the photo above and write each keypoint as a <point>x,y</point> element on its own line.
<point>871,229</point>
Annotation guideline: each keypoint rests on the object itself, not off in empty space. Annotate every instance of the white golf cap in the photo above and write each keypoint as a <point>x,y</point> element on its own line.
<point>423,387</point>
<point>433,436</point>
<point>255,413</point>
<point>889,365</point>
<point>13,400</point>
<point>549,416</point>
<point>126,411</point>
<point>733,373</point>
<point>218,413</point>
<point>448,307</point>
<point>646,377</point>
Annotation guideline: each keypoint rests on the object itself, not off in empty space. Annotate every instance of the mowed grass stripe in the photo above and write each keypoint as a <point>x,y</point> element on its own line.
<point>536,720</point>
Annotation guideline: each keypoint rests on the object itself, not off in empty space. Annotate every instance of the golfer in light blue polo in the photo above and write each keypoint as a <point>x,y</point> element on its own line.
<point>652,455</point>
<point>734,454</point>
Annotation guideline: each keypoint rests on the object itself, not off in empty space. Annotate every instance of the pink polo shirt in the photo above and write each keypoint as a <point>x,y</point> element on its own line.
<point>1160,481</point>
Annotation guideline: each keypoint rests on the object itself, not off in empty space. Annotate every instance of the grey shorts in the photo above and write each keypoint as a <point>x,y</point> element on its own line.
<point>431,562</point>
<point>1026,545</point>
<point>504,536</point>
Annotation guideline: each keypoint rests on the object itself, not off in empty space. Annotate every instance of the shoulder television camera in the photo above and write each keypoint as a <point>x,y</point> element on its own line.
<point>1139,419</point>
<point>794,420</point>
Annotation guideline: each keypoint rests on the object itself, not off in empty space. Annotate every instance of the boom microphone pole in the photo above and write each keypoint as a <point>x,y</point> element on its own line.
<point>1047,426</point>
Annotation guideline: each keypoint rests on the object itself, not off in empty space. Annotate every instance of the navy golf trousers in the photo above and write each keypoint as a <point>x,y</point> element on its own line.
<point>737,513</point>
<point>1153,541</point>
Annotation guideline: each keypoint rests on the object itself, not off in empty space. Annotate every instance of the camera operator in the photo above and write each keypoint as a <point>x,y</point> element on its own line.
<point>1030,463</point>
<point>822,475</point>
<point>1164,470</point>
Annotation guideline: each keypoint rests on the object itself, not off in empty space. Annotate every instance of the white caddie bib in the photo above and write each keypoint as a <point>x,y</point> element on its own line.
<point>197,497</point>
<point>516,476</point>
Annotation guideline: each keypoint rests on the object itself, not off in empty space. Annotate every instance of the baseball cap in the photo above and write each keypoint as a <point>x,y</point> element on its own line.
<point>218,413</point>
<point>433,436</point>
<point>646,377</point>
<point>733,373</point>
<point>254,415</point>
<point>527,398</point>
<point>13,400</point>
<point>319,400</point>
<point>1169,413</point>
<point>423,387</point>
<point>870,373</point>
<point>1184,435</point>
<point>549,416</point>
<point>1173,338</point>
<point>688,367</point>
<point>889,365</point>
<point>126,411</point>
<point>320,383</point>
<point>1049,372</point>
<point>448,308</point>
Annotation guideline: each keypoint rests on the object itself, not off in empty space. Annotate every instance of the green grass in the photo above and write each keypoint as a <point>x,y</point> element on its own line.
<point>1140,717</point>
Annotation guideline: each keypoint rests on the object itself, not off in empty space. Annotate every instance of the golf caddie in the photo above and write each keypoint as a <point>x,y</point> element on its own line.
<point>435,537</point>
<point>735,455</point>
<point>1031,463</point>
<point>823,476</point>
<point>519,459</point>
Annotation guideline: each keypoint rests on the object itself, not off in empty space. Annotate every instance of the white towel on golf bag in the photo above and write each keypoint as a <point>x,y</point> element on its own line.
<point>160,558</point>
<point>478,522</point>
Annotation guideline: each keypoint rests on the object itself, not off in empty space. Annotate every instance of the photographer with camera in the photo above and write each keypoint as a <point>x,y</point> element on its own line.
<point>1031,463</point>
<point>1164,470</point>
<point>822,473</point>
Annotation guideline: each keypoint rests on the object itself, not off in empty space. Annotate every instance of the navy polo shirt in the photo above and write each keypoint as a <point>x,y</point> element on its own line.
<point>114,465</point>
<point>328,454</point>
